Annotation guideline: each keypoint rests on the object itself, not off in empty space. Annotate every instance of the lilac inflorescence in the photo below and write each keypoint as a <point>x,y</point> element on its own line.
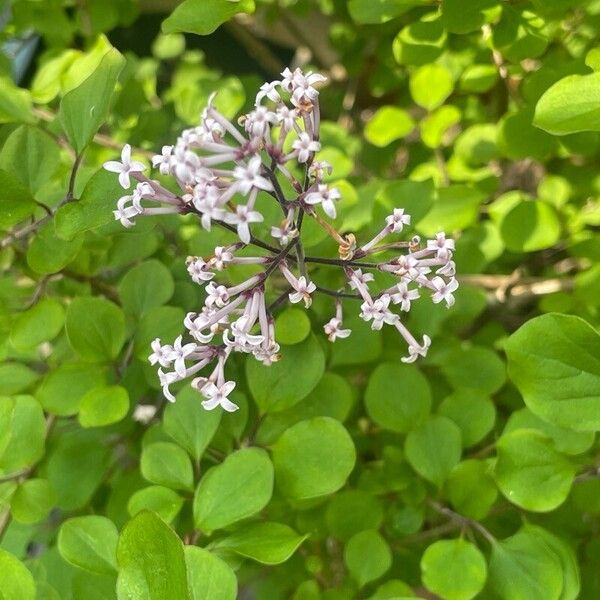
<point>220,169</point>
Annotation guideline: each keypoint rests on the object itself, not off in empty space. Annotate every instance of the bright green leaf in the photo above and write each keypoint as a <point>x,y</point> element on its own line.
<point>103,406</point>
<point>313,458</point>
<point>367,556</point>
<point>204,16</point>
<point>238,488</point>
<point>89,543</point>
<point>167,464</point>
<point>387,125</point>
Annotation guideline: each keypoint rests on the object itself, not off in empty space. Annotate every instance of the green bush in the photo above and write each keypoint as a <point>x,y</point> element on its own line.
<point>441,448</point>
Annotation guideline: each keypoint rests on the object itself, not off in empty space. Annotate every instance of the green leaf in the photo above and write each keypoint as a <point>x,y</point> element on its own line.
<point>476,368</point>
<point>76,467</point>
<point>16,201</point>
<point>24,445</point>
<point>189,424</point>
<point>524,566</point>
<point>464,17</point>
<point>566,441</point>
<point>394,589</point>
<point>454,569</point>
<point>48,253</point>
<point>209,577</point>
<point>435,125</point>
<point>16,581</point>
<point>163,501</point>
<point>331,398</point>
<point>40,323</point>
<point>236,489</point>
<point>46,83</point>
<point>89,543</point>
<point>530,472</point>
<point>570,105</point>
<point>430,85</point>
<point>147,285</point>
<point>456,207</point>
<point>63,387</point>
<point>167,464</point>
<point>387,125</point>
<point>553,361</point>
<point>520,34</point>
<point>473,412</point>
<point>421,41</point>
<point>265,542</point>
<point>103,406</point>
<point>204,16</point>
<point>518,138</point>
<point>313,458</point>
<point>16,377</point>
<point>368,12</point>
<point>566,556</point>
<point>151,561</point>
<point>416,197</point>
<point>367,556</point>
<point>96,328</point>
<point>471,489</point>
<point>434,448</point>
<point>32,501</point>
<point>30,154</point>
<point>85,108</point>
<point>530,226</point>
<point>93,209</point>
<point>289,380</point>
<point>292,326</point>
<point>352,511</point>
<point>397,397</point>
<point>15,103</point>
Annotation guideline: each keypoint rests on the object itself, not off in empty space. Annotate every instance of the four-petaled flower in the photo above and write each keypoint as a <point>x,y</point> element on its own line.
<point>443,290</point>
<point>442,245</point>
<point>125,167</point>
<point>218,396</point>
<point>304,289</point>
<point>397,220</point>
<point>404,296</point>
<point>333,330</point>
<point>304,145</point>
<point>242,217</point>
<point>325,196</point>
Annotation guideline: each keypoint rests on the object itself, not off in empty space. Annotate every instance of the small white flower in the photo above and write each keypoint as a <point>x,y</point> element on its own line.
<point>180,353</point>
<point>325,196</point>
<point>242,218</point>
<point>304,145</point>
<point>185,164</point>
<point>397,220</point>
<point>319,169</point>
<point>218,396</point>
<point>378,312</point>
<point>125,167</point>
<point>333,331</point>
<point>415,351</point>
<point>303,291</point>
<point>198,269</point>
<point>221,258</point>
<point>166,379</point>
<point>268,90</point>
<point>206,200</point>
<point>163,160</point>
<point>286,117</point>
<point>443,246</point>
<point>250,177</point>
<point>125,213</point>
<point>443,290</point>
<point>163,355</point>
<point>284,233</point>
<point>404,296</point>
<point>360,278</point>
<point>257,122</point>
<point>217,295</point>
<point>448,270</point>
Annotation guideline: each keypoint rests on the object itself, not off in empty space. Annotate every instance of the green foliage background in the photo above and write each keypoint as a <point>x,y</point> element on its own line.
<point>345,474</point>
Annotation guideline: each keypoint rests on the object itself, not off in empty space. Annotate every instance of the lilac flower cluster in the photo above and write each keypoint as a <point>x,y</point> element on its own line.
<point>220,170</point>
